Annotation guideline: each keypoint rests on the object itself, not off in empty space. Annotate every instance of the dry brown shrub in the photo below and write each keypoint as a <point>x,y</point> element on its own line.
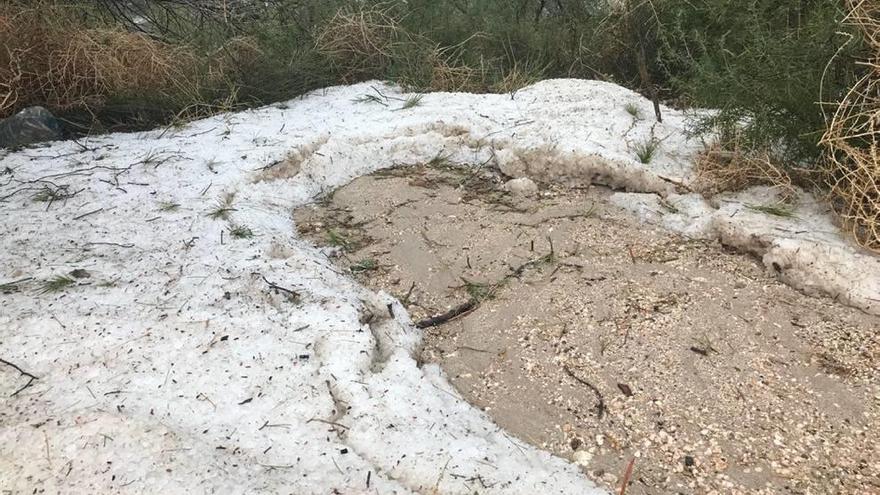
<point>514,80</point>
<point>449,75</point>
<point>49,59</point>
<point>852,139</point>
<point>518,76</point>
<point>456,78</point>
<point>359,42</point>
<point>721,169</point>
<point>366,41</point>
<point>237,53</point>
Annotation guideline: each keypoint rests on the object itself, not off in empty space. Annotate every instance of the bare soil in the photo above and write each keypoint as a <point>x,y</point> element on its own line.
<point>601,339</point>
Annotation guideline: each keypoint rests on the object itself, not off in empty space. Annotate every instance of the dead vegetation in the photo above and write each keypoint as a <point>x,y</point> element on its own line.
<point>729,169</point>
<point>364,42</point>
<point>360,41</point>
<point>849,176</point>
<point>50,59</point>
<point>852,140</point>
<point>446,75</point>
<point>92,64</point>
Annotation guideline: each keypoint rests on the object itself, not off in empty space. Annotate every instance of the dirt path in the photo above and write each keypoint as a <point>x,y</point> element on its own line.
<point>601,339</point>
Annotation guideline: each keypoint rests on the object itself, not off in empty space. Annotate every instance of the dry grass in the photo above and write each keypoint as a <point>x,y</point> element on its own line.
<point>370,42</point>
<point>517,77</point>
<point>720,169</point>
<point>424,66</point>
<point>359,42</point>
<point>49,58</point>
<point>852,140</point>
<point>450,77</point>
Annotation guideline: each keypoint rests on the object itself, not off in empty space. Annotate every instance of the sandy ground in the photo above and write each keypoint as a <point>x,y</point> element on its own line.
<point>602,340</point>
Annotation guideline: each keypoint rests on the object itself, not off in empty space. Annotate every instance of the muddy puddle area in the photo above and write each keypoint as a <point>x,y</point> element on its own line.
<point>602,340</point>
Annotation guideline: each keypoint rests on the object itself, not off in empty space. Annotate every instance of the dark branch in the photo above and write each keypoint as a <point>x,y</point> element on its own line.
<point>447,316</point>
<point>31,377</point>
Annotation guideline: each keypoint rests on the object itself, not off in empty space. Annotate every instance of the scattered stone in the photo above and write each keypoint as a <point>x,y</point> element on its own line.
<point>29,126</point>
<point>582,458</point>
<point>522,187</point>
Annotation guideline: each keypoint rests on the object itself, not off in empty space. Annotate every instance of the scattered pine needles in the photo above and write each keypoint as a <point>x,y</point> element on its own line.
<point>56,284</point>
<point>241,232</point>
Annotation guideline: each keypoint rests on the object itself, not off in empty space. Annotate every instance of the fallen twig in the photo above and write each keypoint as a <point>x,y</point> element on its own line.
<point>453,313</point>
<point>292,294</point>
<point>31,377</point>
<point>278,425</point>
<point>89,213</point>
<point>109,244</point>
<point>474,349</point>
<point>405,301</point>
<point>600,406</point>
<point>328,422</point>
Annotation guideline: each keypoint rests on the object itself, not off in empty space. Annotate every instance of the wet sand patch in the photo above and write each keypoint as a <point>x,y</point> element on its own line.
<point>602,339</point>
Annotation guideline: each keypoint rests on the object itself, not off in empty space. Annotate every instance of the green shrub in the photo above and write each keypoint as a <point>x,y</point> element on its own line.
<point>762,63</point>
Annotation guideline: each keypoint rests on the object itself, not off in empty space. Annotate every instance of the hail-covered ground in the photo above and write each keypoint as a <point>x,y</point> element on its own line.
<point>164,328</point>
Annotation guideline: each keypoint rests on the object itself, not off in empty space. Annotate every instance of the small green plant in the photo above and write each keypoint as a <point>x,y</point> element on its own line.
<point>153,157</point>
<point>337,239</point>
<point>364,266</point>
<point>479,292</point>
<point>223,207</point>
<point>440,160</point>
<point>241,232</point>
<point>168,206</point>
<point>56,284</point>
<point>647,149</point>
<point>633,109</point>
<point>368,98</point>
<point>547,259</point>
<point>412,101</point>
<point>774,210</point>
